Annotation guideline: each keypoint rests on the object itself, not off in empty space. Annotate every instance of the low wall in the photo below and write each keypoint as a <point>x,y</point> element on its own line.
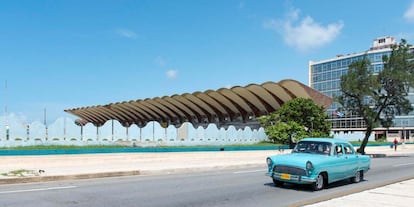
<point>64,131</point>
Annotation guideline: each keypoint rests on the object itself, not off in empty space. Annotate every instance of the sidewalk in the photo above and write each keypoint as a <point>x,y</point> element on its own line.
<point>61,167</point>
<point>398,194</point>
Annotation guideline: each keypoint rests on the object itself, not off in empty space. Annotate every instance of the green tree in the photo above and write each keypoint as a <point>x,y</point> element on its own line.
<point>296,119</point>
<point>377,98</point>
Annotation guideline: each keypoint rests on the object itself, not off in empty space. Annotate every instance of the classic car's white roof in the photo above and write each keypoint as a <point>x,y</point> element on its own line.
<point>325,139</point>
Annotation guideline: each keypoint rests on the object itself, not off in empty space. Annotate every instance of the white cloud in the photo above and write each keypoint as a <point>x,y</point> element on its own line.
<point>304,34</point>
<point>409,14</point>
<point>126,33</point>
<point>171,74</point>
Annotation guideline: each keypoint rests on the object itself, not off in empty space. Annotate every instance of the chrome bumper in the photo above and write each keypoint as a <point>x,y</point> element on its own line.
<point>293,178</point>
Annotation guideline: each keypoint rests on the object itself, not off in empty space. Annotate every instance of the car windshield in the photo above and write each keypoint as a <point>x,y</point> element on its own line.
<point>323,148</point>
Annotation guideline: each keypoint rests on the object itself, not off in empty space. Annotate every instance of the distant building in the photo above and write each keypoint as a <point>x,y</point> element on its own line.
<point>325,77</point>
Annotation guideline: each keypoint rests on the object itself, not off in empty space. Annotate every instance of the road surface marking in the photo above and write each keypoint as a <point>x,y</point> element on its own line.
<point>249,171</point>
<point>405,164</point>
<point>37,189</point>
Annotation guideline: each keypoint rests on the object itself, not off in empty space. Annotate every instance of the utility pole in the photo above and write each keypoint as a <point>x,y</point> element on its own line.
<point>45,123</point>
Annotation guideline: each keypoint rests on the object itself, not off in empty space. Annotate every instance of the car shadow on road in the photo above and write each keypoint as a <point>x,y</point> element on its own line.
<point>308,188</point>
<point>289,186</point>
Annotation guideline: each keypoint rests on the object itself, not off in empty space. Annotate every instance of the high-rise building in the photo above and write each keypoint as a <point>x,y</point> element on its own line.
<point>325,77</point>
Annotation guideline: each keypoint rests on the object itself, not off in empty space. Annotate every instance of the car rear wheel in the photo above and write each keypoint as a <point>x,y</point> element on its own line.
<point>277,182</point>
<point>320,182</point>
<point>359,175</point>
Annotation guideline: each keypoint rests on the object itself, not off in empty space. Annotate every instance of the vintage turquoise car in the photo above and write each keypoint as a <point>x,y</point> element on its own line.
<point>318,161</point>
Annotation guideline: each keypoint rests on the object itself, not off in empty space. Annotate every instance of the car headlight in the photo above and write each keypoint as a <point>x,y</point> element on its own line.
<point>309,165</point>
<point>269,161</point>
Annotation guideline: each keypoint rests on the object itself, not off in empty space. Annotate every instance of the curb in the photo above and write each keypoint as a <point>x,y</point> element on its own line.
<point>377,155</point>
<point>68,177</point>
<point>16,180</point>
<point>349,192</point>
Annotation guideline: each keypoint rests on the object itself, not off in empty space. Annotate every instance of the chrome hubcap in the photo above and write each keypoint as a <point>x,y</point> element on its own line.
<point>319,182</point>
<point>357,176</point>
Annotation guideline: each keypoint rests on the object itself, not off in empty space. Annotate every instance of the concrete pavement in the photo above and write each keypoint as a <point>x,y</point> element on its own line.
<point>399,195</point>
<point>15,169</point>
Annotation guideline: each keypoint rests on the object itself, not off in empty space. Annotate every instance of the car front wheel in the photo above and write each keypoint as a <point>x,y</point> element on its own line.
<point>320,182</point>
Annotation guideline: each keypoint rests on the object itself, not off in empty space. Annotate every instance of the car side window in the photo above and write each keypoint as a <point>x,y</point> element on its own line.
<point>348,149</point>
<point>338,149</point>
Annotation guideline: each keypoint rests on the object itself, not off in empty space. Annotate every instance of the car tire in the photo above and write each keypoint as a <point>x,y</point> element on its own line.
<point>359,176</point>
<point>277,182</point>
<point>320,182</point>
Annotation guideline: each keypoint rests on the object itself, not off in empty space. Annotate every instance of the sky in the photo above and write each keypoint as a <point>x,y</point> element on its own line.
<point>65,54</point>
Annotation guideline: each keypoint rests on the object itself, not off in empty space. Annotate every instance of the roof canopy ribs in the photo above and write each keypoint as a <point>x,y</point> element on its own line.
<point>225,105</point>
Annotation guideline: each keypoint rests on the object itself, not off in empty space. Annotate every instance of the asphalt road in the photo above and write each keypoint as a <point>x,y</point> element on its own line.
<point>241,187</point>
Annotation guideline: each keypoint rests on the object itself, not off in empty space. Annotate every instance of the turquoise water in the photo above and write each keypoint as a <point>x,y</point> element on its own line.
<point>14,152</point>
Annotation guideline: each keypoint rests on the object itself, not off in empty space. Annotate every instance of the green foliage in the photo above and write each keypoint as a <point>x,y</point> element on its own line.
<point>20,173</point>
<point>296,119</point>
<point>382,140</point>
<point>283,132</point>
<point>377,98</point>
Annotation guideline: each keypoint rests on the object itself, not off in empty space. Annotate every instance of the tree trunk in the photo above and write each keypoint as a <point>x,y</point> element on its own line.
<point>291,143</point>
<point>365,141</point>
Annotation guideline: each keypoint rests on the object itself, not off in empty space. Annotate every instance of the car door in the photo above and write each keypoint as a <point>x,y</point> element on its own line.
<point>350,159</point>
<point>337,170</point>
<point>343,163</point>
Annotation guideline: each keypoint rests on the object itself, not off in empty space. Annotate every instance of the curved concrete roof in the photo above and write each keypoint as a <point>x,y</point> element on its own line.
<point>237,104</point>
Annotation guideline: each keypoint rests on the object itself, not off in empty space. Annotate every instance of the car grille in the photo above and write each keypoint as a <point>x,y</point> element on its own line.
<point>289,170</point>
